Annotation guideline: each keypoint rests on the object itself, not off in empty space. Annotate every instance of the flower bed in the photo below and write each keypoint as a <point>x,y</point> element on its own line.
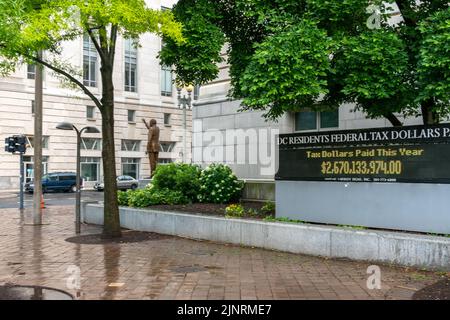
<point>181,184</point>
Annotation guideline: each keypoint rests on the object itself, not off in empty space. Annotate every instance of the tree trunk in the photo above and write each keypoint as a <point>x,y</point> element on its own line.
<point>111,225</point>
<point>393,120</point>
<point>429,117</point>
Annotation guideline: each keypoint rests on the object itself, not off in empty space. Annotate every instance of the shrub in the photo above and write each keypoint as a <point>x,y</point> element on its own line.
<point>268,207</point>
<point>122,198</point>
<point>218,184</point>
<point>179,177</point>
<point>152,196</point>
<point>234,211</point>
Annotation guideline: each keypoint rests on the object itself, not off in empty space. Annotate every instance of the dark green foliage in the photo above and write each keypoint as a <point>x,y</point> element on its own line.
<point>184,178</point>
<point>287,55</point>
<point>151,196</point>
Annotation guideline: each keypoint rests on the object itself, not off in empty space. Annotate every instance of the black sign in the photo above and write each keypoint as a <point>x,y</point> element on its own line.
<point>403,154</point>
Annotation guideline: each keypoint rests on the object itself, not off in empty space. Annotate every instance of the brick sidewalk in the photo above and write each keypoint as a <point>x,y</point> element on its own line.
<point>177,268</point>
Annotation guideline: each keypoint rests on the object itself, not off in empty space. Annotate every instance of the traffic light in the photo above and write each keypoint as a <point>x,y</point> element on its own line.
<point>10,145</point>
<point>16,144</point>
<point>21,144</point>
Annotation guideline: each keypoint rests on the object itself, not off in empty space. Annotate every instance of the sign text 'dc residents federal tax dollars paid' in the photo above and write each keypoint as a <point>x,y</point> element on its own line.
<point>404,154</point>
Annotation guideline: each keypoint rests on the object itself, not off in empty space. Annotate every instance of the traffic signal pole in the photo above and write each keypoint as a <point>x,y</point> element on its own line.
<point>13,145</point>
<point>21,206</point>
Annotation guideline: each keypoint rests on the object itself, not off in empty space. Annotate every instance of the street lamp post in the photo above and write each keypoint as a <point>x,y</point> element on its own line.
<point>70,126</point>
<point>185,103</point>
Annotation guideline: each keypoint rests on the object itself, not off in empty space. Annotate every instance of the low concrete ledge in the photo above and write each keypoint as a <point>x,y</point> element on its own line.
<point>370,245</point>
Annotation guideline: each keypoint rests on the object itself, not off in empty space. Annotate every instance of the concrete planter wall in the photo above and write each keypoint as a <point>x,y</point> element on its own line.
<point>377,246</point>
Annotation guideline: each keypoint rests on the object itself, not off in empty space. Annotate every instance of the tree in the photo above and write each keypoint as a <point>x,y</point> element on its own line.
<point>287,55</point>
<point>27,26</point>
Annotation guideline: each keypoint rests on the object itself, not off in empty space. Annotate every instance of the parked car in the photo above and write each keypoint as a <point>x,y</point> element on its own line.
<point>123,183</point>
<point>57,181</point>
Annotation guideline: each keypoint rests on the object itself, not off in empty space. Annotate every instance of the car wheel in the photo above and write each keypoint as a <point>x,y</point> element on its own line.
<point>44,190</point>
<point>73,188</point>
<point>133,187</point>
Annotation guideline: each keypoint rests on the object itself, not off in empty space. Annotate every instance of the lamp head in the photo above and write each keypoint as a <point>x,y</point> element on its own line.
<point>190,88</point>
<point>65,126</point>
<point>91,130</point>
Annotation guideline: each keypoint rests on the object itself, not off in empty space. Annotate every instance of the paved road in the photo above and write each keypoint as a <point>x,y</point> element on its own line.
<point>176,268</point>
<point>11,200</point>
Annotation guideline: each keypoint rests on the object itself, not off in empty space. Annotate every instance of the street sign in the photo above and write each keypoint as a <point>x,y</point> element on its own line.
<point>405,154</point>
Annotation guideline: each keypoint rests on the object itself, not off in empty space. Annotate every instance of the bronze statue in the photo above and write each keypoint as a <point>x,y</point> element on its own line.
<point>152,144</point>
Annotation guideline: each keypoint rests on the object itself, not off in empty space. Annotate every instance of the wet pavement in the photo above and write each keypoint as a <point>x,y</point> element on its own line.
<point>11,199</point>
<point>176,268</point>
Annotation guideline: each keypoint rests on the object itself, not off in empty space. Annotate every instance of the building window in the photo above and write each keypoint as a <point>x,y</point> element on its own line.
<point>164,161</point>
<point>91,144</point>
<point>89,62</point>
<point>132,116</point>
<point>30,142</point>
<point>166,146</point>
<point>166,81</point>
<point>31,71</point>
<point>130,167</point>
<point>130,66</point>
<point>90,112</point>
<point>167,119</point>
<point>312,120</point>
<point>90,169</point>
<point>28,167</point>
<point>131,145</point>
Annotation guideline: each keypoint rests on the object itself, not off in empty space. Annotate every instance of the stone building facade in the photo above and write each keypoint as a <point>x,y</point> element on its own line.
<point>143,90</point>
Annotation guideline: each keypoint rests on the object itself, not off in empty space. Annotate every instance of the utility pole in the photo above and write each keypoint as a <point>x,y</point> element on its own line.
<point>37,210</point>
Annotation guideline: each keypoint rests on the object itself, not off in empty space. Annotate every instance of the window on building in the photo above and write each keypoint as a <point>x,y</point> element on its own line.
<point>196,92</point>
<point>89,62</point>
<point>31,71</point>
<point>33,106</point>
<point>30,142</point>
<point>90,112</point>
<point>132,116</point>
<point>166,81</point>
<point>312,120</point>
<point>131,145</point>
<point>166,146</point>
<point>130,66</point>
<point>130,167</point>
<point>90,169</point>
<point>91,143</point>
<point>167,119</point>
<point>164,161</point>
<point>28,167</point>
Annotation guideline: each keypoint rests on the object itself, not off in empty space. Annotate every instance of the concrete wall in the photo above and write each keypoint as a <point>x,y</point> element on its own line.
<point>376,246</point>
<point>398,206</point>
<point>259,190</point>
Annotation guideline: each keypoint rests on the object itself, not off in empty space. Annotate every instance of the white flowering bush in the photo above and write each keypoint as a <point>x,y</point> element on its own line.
<point>218,184</point>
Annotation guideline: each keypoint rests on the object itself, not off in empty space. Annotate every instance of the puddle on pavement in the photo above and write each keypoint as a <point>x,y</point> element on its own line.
<point>14,292</point>
<point>201,252</point>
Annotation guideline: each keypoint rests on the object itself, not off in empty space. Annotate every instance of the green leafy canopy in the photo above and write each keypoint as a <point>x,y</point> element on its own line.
<point>287,55</point>
<point>28,26</point>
